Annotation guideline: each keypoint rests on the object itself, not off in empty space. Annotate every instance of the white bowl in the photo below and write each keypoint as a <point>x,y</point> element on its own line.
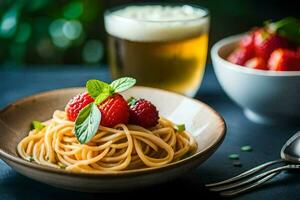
<point>266,96</point>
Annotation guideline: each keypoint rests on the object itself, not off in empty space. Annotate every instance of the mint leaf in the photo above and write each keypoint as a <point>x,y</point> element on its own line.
<point>96,87</point>
<point>37,125</point>
<point>87,123</point>
<point>180,127</point>
<point>101,97</point>
<point>288,27</point>
<point>122,84</point>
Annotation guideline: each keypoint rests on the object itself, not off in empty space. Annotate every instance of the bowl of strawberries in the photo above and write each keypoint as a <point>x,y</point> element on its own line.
<point>260,71</point>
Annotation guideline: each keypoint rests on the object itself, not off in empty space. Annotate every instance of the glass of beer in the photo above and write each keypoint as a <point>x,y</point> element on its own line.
<point>162,46</point>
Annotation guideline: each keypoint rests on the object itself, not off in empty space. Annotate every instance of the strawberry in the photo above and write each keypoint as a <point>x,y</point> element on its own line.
<point>240,55</point>
<point>114,110</point>
<point>76,104</point>
<point>256,63</point>
<point>101,105</point>
<point>247,41</point>
<point>265,43</point>
<point>244,51</point>
<point>284,60</point>
<point>143,113</point>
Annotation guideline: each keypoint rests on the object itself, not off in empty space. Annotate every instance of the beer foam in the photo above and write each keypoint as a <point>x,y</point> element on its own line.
<point>156,23</point>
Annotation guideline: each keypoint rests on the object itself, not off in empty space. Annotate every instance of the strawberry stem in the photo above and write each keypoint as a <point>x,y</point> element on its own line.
<point>131,101</point>
<point>288,27</point>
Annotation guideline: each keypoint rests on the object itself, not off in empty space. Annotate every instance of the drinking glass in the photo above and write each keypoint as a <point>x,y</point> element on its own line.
<point>163,46</point>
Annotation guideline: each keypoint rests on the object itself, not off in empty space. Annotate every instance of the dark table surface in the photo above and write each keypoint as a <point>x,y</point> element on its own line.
<point>265,140</point>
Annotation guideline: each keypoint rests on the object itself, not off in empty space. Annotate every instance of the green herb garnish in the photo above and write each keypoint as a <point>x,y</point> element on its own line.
<point>288,27</point>
<point>131,101</point>
<point>88,119</point>
<point>87,123</point>
<point>233,156</point>
<point>180,127</point>
<point>96,88</point>
<point>62,166</point>
<point>30,158</point>
<point>37,125</point>
<point>100,90</point>
<point>122,84</point>
<point>246,148</point>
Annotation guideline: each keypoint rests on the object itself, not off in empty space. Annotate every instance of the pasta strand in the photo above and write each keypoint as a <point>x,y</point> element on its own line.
<point>123,147</point>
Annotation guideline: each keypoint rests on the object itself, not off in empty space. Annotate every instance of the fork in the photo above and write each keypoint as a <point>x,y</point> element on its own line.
<point>239,184</point>
<point>290,154</point>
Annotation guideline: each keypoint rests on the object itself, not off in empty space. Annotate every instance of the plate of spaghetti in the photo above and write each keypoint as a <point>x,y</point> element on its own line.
<point>108,136</point>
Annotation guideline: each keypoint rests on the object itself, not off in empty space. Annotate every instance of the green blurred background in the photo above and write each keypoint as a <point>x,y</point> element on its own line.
<point>44,32</point>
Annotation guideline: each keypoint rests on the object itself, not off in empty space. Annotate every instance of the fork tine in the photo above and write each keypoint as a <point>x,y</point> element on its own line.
<point>249,187</point>
<point>247,181</point>
<point>245,174</point>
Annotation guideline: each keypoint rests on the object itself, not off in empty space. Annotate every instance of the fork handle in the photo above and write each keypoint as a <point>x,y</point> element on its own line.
<point>246,173</point>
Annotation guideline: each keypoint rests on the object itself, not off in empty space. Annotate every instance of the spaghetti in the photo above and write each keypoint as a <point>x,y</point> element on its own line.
<point>123,147</point>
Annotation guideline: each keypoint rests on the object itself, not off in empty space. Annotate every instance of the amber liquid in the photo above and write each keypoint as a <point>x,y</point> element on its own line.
<point>172,65</point>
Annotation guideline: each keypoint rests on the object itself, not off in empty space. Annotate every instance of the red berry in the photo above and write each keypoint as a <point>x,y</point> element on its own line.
<point>256,63</point>
<point>143,113</point>
<point>284,60</point>
<point>240,55</point>
<point>114,110</point>
<point>265,43</point>
<point>244,51</point>
<point>247,41</point>
<point>76,104</point>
